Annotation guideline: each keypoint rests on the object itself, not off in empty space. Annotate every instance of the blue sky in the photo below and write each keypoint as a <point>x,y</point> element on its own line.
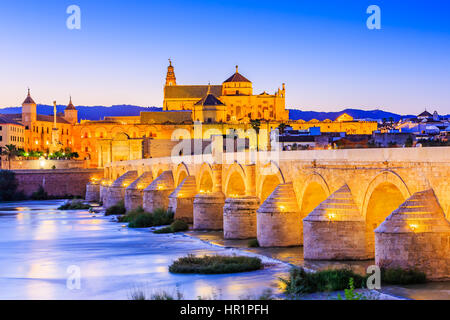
<point>321,49</point>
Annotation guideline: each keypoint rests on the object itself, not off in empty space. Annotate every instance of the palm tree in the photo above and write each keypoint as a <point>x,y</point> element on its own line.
<point>256,125</point>
<point>10,151</point>
<point>282,127</point>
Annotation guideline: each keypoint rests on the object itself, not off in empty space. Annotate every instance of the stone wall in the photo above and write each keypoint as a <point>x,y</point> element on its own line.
<point>57,182</point>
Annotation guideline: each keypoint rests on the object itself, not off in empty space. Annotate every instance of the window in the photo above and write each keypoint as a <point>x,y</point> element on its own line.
<point>209,120</point>
<point>0,128</point>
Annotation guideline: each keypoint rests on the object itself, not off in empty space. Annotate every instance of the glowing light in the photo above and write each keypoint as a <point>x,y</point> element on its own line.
<point>282,208</point>
<point>125,184</point>
<point>331,216</point>
<point>413,226</point>
<point>42,163</point>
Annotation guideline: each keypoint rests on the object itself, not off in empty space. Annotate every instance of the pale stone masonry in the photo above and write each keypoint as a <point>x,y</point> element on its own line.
<point>93,191</point>
<point>134,193</point>
<point>239,217</point>
<point>296,183</point>
<point>278,219</point>
<point>416,236</point>
<point>116,191</point>
<point>156,195</point>
<point>181,201</point>
<point>208,211</point>
<point>335,229</point>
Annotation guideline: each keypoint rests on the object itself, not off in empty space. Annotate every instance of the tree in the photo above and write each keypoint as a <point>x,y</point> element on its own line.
<point>256,125</point>
<point>10,151</point>
<point>282,127</point>
<point>8,185</point>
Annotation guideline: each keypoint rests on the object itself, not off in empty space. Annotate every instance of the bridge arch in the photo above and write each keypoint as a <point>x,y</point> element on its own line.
<point>235,181</point>
<point>205,181</point>
<point>270,177</point>
<point>314,191</point>
<point>385,193</point>
<point>181,172</point>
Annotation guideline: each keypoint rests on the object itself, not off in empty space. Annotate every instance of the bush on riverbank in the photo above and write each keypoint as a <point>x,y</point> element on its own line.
<point>159,217</point>
<point>8,185</point>
<point>40,194</point>
<point>74,205</point>
<point>176,226</point>
<point>117,209</point>
<point>301,282</point>
<point>130,216</point>
<point>402,276</point>
<point>215,264</point>
<point>253,243</point>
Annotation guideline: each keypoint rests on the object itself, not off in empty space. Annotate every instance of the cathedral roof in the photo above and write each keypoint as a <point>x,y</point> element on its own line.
<point>28,99</point>
<point>237,77</point>
<point>70,106</point>
<point>209,100</point>
<point>425,114</point>
<point>49,118</point>
<point>190,92</point>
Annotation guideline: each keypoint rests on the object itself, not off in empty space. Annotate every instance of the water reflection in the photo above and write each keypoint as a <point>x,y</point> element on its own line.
<point>38,243</point>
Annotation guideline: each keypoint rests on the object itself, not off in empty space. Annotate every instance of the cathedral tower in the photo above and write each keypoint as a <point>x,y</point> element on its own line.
<point>171,80</point>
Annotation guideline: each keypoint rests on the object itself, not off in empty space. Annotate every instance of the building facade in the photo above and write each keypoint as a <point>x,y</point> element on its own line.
<point>218,109</point>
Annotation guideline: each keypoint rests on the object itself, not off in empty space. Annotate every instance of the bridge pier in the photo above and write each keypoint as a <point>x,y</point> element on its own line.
<point>239,217</point>
<point>335,230</point>
<point>104,186</point>
<point>181,201</point>
<point>134,193</point>
<point>416,236</point>
<point>208,211</point>
<point>93,191</point>
<point>156,195</point>
<point>278,219</point>
<point>116,192</point>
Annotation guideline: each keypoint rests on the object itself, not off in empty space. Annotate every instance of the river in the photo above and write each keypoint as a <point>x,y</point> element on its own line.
<point>42,249</point>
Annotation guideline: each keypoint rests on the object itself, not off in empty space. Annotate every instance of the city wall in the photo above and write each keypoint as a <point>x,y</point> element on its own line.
<point>57,182</point>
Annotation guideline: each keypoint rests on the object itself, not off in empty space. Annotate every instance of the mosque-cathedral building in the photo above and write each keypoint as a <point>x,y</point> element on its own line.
<point>219,108</point>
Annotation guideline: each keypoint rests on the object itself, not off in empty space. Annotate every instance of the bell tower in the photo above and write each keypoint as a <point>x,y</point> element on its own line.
<point>171,80</point>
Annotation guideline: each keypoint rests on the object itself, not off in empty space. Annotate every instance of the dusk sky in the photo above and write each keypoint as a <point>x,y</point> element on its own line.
<point>322,50</point>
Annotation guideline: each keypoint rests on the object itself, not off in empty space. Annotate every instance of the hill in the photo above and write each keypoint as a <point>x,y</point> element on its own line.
<point>295,114</point>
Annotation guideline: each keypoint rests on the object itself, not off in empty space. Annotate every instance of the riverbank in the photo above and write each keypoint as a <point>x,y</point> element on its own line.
<point>293,256</point>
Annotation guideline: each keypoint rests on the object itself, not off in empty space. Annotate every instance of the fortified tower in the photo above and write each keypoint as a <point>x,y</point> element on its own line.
<point>71,113</point>
<point>28,110</point>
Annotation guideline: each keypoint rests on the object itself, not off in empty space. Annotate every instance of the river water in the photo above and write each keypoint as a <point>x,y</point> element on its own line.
<point>42,249</point>
<point>39,244</point>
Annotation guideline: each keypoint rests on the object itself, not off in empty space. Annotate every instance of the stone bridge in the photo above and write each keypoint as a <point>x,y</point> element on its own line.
<point>339,204</point>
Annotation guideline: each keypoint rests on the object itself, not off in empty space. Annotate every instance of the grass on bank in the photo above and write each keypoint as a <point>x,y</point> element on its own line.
<point>253,243</point>
<point>74,205</point>
<point>117,209</point>
<point>402,276</point>
<point>215,264</point>
<point>176,226</point>
<point>301,282</point>
<point>138,218</point>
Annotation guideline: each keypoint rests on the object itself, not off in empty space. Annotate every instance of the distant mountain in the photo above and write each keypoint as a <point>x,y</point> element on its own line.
<point>99,112</point>
<point>89,113</point>
<point>295,114</point>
